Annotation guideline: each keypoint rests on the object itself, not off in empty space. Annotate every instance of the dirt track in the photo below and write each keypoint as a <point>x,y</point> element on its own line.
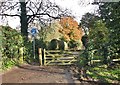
<point>37,74</point>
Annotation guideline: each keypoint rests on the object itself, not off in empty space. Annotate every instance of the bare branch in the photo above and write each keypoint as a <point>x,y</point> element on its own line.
<point>45,14</point>
<point>39,7</point>
<point>12,7</point>
<point>30,10</point>
<point>11,15</point>
<point>8,6</point>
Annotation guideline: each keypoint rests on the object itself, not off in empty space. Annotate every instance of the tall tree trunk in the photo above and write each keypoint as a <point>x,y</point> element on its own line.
<point>23,19</point>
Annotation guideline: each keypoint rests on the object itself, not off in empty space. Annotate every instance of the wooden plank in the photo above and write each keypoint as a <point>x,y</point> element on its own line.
<point>53,55</point>
<point>49,62</point>
<point>61,51</point>
<point>40,55</point>
<point>61,64</point>
<point>44,56</point>
<point>116,60</point>
<point>67,58</point>
<point>61,60</point>
<point>95,60</point>
<point>50,55</point>
<point>50,58</point>
<point>72,61</point>
<point>53,51</point>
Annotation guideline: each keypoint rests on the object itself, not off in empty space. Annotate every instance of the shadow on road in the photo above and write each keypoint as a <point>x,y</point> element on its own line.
<point>48,69</point>
<point>62,70</point>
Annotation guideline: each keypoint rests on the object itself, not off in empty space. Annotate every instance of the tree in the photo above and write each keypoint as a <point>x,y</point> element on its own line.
<point>97,36</point>
<point>29,10</point>
<point>87,21</point>
<point>110,13</point>
<point>98,39</point>
<point>71,30</point>
<point>50,32</point>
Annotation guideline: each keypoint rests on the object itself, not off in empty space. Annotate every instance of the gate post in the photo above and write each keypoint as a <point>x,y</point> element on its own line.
<point>44,56</point>
<point>40,56</point>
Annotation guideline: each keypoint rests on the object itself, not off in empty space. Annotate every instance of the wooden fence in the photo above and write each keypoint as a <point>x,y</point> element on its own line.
<point>58,57</point>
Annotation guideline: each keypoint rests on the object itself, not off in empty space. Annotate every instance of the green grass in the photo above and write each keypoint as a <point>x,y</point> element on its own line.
<point>104,74</point>
<point>8,64</point>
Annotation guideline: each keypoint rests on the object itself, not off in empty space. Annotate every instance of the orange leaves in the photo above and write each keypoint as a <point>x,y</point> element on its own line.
<point>68,22</point>
<point>67,37</point>
<point>70,29</point>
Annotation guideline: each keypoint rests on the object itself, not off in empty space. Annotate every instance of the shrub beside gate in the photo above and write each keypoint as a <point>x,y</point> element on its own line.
<point>12,47</point>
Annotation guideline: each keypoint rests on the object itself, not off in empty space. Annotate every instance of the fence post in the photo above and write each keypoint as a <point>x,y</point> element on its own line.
<point>40,56</point>
<point>44,56</point>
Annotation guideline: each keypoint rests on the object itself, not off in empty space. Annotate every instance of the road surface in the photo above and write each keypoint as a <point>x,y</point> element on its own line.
<point>38,74</point>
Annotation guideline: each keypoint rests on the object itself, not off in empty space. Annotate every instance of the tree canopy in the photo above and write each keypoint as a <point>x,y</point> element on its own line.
<point>28,11</point>
<point>110,13</point>
<point>71,30</point>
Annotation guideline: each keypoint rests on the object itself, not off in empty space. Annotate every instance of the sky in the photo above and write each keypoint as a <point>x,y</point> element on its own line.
<point>77,7</point>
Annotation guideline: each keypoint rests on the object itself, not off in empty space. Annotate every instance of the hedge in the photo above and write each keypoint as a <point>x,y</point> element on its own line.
<point>12,47</point>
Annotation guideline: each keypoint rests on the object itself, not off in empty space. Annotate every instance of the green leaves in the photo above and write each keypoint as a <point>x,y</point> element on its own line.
<point>96,41</point>
<point>11,42</point>
<point>99,33</point>
<point>110,12</point>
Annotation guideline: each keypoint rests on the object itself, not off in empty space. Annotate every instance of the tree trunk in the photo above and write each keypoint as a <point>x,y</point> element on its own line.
<point>105,60</point>
<point>23,19</point>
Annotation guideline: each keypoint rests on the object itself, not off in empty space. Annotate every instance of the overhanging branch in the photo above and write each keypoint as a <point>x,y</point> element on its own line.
<point>45,14</point>
<point>11,15</point>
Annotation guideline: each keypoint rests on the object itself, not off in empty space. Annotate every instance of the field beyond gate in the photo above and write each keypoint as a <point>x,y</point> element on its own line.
<point>58,57</point>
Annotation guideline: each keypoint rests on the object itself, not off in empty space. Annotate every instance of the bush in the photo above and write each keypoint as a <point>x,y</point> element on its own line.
<point>11,42</point>
<point>28,52</point>
<point>75,44</point>
<point>54,44</point>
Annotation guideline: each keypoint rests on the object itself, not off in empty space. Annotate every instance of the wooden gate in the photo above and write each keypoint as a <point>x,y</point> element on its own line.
<point>58,57</point>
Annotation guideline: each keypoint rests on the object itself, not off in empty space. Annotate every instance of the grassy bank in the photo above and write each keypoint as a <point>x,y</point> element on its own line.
<point>104,73</point>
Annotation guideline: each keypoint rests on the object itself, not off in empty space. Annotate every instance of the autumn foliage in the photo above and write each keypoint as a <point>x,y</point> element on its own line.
<point>70,30</point>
